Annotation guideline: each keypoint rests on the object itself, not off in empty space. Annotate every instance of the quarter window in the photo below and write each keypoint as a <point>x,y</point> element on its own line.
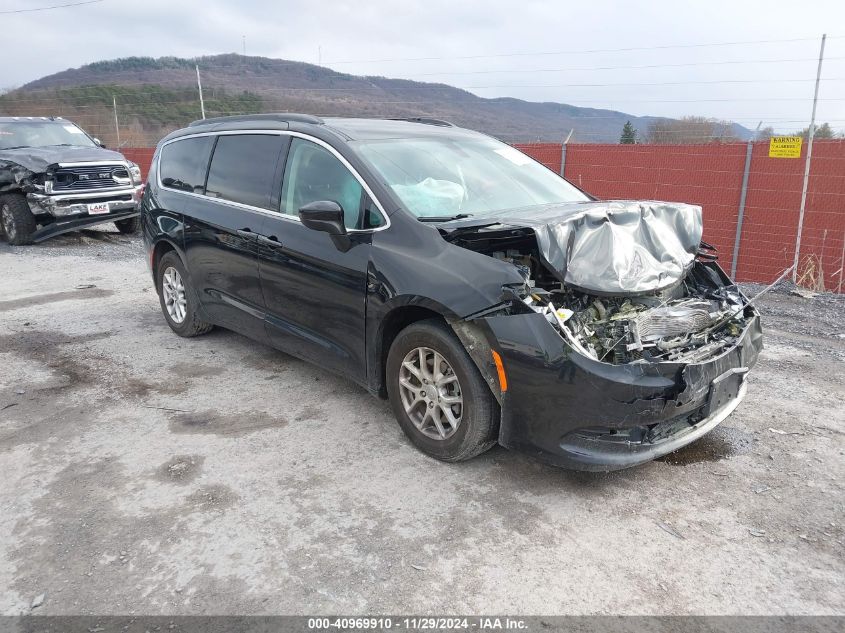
<point>242,168</point>
<point>183,163</point>
<point>313,173</point>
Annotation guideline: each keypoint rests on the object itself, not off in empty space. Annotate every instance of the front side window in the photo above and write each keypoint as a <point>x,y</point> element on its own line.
<point>313,173</point>
<point>183,163</point>
<point>446,176</point>
<point>243,167</point>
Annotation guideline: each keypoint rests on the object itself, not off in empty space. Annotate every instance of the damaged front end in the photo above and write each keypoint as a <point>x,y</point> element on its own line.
<point>626,340</point>
<point>51,187</point>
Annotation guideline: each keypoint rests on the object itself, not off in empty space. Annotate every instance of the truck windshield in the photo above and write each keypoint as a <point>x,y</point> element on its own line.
<point>41,134</point>
<point>458,176</point>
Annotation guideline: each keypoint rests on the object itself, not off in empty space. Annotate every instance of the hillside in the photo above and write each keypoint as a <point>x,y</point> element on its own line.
<point>155,96</point>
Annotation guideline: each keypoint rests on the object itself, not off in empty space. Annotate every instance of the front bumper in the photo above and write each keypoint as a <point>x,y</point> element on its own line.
<point>576,412</point>
<point>73,205</point>
<point>70,212</point>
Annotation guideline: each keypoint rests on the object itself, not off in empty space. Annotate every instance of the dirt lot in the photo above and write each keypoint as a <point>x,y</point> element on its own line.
<point>147,474</point>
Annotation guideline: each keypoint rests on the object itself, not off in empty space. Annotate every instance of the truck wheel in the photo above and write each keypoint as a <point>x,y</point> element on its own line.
<point>177,297</point>
<point>129,226</point>
<point>17,219</point>
<point>438,395</point>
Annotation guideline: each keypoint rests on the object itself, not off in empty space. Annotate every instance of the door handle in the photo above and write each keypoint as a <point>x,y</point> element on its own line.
<point>247,233</point>
<point>269,240</point>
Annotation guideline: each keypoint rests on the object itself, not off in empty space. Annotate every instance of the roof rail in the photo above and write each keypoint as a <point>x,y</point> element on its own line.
<point>281,117</point>
<point>424,121</point>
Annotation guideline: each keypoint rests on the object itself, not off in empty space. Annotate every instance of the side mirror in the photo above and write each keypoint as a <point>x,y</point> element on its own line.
<point>323,215</point>
<point>99,142</point>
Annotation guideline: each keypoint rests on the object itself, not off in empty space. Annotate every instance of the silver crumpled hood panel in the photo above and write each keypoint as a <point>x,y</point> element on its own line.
<point>615,247</point>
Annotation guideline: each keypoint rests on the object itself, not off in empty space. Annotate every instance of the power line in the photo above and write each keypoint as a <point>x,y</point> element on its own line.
<point>30,93</point>
<point>637,84</point>
<point>577,52</point>
<point>24,99</point>
<point>685,64</point>
<point>57,6</point>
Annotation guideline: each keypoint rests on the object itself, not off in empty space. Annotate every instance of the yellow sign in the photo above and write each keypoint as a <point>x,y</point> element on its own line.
<point>785,147</point>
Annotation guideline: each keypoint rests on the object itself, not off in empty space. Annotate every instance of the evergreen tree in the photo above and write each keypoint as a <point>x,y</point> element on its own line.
<point>629,134</point>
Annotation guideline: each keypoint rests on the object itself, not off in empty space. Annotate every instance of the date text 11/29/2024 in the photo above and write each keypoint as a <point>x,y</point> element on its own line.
<point>481,623</point>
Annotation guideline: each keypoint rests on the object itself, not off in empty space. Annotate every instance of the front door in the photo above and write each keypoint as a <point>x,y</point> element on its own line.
<point>315,292</point>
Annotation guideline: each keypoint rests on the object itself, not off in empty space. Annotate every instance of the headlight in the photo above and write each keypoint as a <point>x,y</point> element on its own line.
<point>135,172</point>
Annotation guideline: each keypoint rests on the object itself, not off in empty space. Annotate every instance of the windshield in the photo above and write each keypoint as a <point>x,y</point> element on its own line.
<point>41,134</point>
<point>445,177</point>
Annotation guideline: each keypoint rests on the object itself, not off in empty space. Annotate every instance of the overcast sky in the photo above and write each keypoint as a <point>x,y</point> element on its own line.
<point>533,50</point>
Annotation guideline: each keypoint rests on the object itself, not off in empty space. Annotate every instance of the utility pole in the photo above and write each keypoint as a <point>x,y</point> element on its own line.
<point>244,36</point>
<point>749,150</point>
<point>199,87</point>
<point>563,152</point>
<point>319,55</point>
<point>116,126</point>
<point>810,135</point>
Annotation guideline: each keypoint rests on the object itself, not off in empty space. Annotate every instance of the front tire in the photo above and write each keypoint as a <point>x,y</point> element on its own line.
<point>438,396</point>
<point>17,220</point>
<point>129,226</point>
<point>178,299</point>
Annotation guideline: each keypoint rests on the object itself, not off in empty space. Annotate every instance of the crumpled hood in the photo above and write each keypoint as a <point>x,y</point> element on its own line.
<point>37,159</point>
<point>615,247</point>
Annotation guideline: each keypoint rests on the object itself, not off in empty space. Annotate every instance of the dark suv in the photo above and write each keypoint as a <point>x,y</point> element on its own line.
<point>55,178</point>
<point>487,297</point>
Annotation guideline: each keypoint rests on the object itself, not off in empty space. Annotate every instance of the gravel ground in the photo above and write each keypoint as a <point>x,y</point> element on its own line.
<point>147,474</point>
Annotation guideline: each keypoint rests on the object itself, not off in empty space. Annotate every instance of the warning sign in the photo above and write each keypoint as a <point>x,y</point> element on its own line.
<point>785,147</point>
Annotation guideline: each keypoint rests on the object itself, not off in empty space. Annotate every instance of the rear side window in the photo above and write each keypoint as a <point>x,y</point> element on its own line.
<point>183,163</point>
<point>242,168</point>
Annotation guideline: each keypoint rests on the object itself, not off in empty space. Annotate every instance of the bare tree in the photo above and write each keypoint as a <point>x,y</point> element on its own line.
<point>765,133</point>
<point>823,131</point>
<point>690,129</point>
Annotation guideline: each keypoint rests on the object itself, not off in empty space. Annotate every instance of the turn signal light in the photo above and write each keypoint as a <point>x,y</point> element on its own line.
<point>500,369</point>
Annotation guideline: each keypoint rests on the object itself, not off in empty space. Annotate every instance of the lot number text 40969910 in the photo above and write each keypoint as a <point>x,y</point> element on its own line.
<point>418,624</point>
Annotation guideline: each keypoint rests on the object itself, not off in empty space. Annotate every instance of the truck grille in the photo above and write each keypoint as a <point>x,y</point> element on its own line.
<point>84,178</point>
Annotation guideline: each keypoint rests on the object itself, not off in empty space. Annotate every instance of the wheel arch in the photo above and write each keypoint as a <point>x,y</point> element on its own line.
<point>471,336</point>
<point>393,322</point>
<point>159,250</point>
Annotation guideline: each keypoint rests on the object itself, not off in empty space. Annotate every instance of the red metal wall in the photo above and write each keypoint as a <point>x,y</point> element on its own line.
<point>141,155</point>
<point>711,175</point>
<point>772,210</point>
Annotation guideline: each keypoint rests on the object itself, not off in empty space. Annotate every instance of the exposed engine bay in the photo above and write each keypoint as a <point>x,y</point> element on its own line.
<point>696,319</point>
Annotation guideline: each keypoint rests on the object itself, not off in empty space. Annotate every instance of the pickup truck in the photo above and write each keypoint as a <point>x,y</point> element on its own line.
<point>55,178</point>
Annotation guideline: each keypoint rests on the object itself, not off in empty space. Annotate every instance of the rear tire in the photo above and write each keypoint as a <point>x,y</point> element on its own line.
<point>16,219</point>
<point>450,376</point>
<point>178,298</point>
<point>129,226</point>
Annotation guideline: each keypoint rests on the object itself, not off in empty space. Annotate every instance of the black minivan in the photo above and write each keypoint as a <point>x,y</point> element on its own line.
<point>487,297</point>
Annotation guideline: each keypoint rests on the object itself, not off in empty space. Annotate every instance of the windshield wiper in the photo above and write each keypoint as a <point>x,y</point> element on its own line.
<point>444,218</point>
<point>15,147</point>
